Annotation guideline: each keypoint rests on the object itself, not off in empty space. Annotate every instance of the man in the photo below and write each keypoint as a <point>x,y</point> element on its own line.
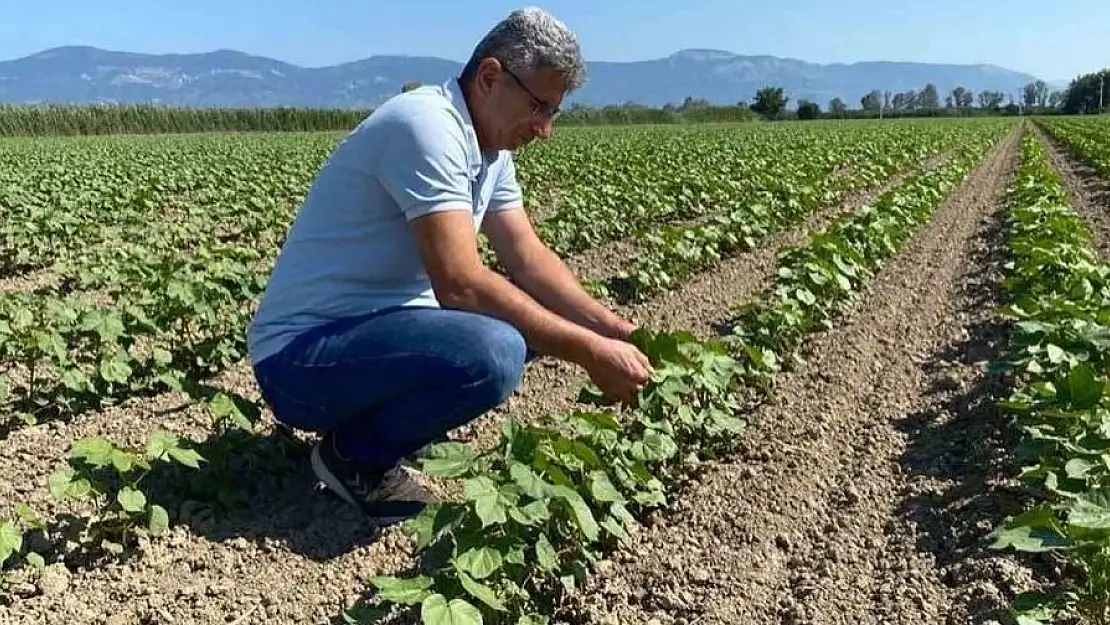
<point>380,327</point>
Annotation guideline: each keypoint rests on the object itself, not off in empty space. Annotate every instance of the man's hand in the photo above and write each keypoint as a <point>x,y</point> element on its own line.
<point>618,368</point>
<point>621,330</point>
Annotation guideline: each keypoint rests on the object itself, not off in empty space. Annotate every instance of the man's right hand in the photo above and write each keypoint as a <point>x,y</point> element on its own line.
<point>618,368</point>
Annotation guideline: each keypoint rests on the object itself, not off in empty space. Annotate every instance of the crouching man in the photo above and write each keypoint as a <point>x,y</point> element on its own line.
<point>380,327</point>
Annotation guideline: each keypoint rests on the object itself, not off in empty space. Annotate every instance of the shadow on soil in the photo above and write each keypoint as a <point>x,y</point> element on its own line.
<point>963,440</point>
<point>261,488</point>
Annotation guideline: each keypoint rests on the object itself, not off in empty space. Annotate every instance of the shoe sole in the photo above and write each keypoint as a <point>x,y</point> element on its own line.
<point>336,486</point>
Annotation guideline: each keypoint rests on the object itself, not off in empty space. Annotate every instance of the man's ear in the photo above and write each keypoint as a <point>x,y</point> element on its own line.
<point>487,75</point>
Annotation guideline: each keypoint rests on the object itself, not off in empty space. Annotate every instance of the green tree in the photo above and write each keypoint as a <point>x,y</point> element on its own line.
<point>929,98</point>
<point>962,97</point>
<point>990,100</point>
<point>808,110</point>
<point>1083,94</point>
<point>837,108</point>
<point>770,102</point>
<point>872,101</point>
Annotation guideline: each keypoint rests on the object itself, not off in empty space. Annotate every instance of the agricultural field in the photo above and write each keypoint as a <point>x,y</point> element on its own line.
<point>880,348</point>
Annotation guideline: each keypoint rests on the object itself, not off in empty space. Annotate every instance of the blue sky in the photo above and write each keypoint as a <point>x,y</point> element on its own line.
<point>1018,34</point>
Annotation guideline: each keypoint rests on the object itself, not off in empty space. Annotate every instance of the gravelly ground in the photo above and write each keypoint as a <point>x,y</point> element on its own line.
<point>865,494</point>
<point>293,556</point>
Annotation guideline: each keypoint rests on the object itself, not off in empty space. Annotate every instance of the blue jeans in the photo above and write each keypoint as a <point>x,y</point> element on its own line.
<point>392,381</point>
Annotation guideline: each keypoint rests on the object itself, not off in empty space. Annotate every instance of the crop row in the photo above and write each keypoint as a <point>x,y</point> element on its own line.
<point>542,506</point>
<point>1058,304</point>
<point>698,175</point>
<point>666,257</point>
<point>1088,139</point>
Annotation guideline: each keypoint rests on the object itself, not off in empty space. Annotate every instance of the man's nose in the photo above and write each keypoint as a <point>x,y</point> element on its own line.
<point>544,126</point>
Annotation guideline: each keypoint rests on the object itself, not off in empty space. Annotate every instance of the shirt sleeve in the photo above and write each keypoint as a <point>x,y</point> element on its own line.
<point>507,193</point>
<point>426,170</point>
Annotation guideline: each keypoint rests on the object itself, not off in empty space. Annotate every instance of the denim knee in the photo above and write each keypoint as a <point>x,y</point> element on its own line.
<point>498,365</point>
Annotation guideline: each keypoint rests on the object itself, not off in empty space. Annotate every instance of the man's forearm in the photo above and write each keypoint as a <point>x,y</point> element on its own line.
<point>545,331</point>
<point>553,284</point>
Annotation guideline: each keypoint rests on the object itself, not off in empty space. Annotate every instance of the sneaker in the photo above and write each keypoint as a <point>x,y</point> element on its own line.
<point>387,497</point>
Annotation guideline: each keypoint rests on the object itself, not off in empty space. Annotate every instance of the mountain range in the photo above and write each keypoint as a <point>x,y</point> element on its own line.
<point>229,78</point>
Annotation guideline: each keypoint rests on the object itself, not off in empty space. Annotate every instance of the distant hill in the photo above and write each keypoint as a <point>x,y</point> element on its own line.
<point>227,78</point>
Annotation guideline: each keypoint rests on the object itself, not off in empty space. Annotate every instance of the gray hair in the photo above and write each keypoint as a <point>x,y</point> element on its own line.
<point>530,39</point>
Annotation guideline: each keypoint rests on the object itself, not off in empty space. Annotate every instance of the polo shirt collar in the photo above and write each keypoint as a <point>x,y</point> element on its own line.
<point>454,93</point>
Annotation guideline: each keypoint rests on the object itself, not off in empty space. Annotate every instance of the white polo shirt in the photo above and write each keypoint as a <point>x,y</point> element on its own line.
<point>349,250</point>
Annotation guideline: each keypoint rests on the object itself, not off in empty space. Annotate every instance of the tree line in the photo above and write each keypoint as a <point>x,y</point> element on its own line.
<point>1086,94</point>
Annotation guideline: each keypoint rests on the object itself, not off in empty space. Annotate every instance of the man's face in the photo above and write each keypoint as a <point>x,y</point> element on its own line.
<point>521,106</point>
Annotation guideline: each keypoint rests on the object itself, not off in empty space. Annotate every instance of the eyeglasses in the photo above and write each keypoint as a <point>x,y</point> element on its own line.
<point>540,106</point>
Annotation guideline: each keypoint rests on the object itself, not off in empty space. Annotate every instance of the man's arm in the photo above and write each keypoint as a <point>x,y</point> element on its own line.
<point>427,174</point>
<point>543,275</point>
<point>446,240</point>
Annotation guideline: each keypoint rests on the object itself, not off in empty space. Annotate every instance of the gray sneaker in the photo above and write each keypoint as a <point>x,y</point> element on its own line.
<point>385,498</point>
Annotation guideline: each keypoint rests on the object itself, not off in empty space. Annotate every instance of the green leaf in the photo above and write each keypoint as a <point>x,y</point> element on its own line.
<point>364,614</point>
<point>187,457</point>
<point>35,560</point>
<point>160,443</point>
<point>1056,355</point>
<point>602,488</point>
<point>534,513</point>
<point>613,526</point>
<point>480,562</point>
<point>805,296</point>
<point>96,451</point>
<point>582,513</point>
<point>546,557</point>
<point>434,521</point>
<point>159,520</point>
<point>449,460</point>
<point>1078,468</point>
<point>115,370</point>
<point>487,500</point>
<point>112,546</point>
<point>28,515</point>
<point>532,484</point>
<point>122,461</point>
<point>1029,539</point>
<point>1084,389</point>
<point>1089,515</point>
<point>162,357</point>
<point>654,447</point>
<point>404,591</point>
<point>481,592</point>
<point>435,610</point>
<point>11,540</point>
<point>131,500</point>
<point>224,408</point>
<point>59,483</point>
